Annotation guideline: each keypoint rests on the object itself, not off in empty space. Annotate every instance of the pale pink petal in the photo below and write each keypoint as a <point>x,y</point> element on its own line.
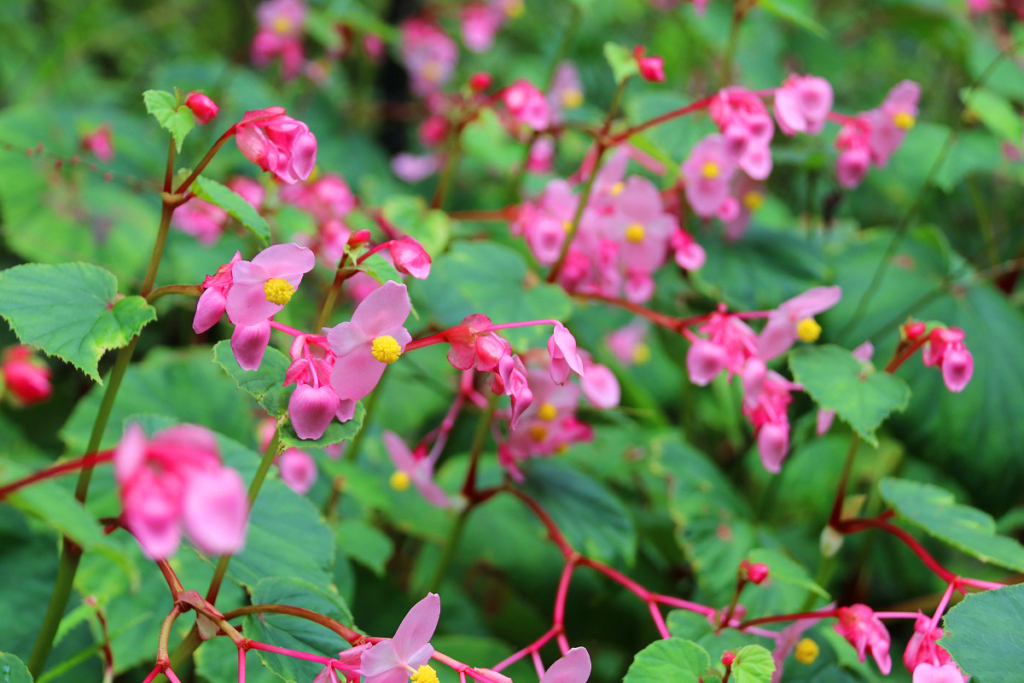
<point>823,422</point>
<point>346,338</point>
<point>383,309</point>
<point>573,667</point>
<point>298,470</point>
<point>417,628</point>
<point>311,410</point>
<point>209,309</point>
<point>601,387</point>
<point>381,659</point>
<point>777,336</point>
<point>356,374</point>
<point>957,368</point>
<point>812,302</point>
<point>773,445</point>
<point>216,511</point>
<point>704,360</point>
<point>282,261</point>
<point>399,452</point>
<point>248,342</point>
<point>423,478</point>
<point>130,453</point>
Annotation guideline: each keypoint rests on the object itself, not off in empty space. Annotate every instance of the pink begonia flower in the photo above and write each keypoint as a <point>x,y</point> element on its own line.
<point>802,103</point>
<point>527,104</point>
<point>327,198</point>
<point>176,480</point>
<point>866,633</point>
<point>24,376</point>
<point>566,91</point>
<point>642,229</point>
<point>248,189</point>
<point>375,47</point>
<point>277,143</point>
<point>201,219</point>
<point>946,348</point>
<point>707,173</point>
<point>947,673</point>
<point>628,343</point>
<point>100,143</point>
<point>572,667</point>
<point>600,386</point>
<point>279,34</point>
<point>688,254</point>
<point>548,425</point>
<point>749,196</point>
<point>564,356</point>
<point>260,288</point>
<point>891,121</point>
<point>410,257</point>
<point>413,168</point>
<point>480,23</point>
<point>372,340</point>
<point>704,360</point>
<point>924,648</point>
<point>248,344</point>
<point>510,379</point>
<point>824,419</point>
<point>314,404</point>
<point>787,641</point>
<point>735,341</point>
<point>298,470</point>
<point>747,129</point>
<point>542,154</point>
<point>389,661</point>
<point>311,409</point>
<point>416,469</point>
<point>472,346</point>
<point>214,299</point>
<point>543,222</point>
<point>428,54</point>
<point>794,319</point>
<point>347,661</point>
<point>204,108</point>
<point>651,68</point>
<point>765,401</point>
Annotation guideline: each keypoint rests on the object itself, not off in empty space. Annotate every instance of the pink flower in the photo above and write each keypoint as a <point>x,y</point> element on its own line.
<point>923,647</point>
<point>389,661</point>
<point>600,386</point>
<point>566,91</point>
<point>707,172</point>
<point>767,397</point>
<point>572,667</point>
<point>413,168</point>
<point>866,633</point>
<point>372,340</point>
<point>417,468</point>
<point>100,143</point>
<point>311,409</point>
<point>280,35</point>
<point>787,641</point>
<point>542,154</point>
<point>734,344</point>
<point>628,345</point>
<point>249,190</point>
<point>793,319</point>
<point>947,673</point>
<point>277,143</point>
<point>747,129</point>
<point>472,346</point>
<point>410,257</point>
<point>510,379</point>
<point>564,357</point>
<point>946,348</point>
<point>891,121</point>
<point>802,104</point>
<point>204,109</point>
<point>651,68</point>
<point>214,300</point>
<point>203,220</point>
<point>704,360</point>
<point>428,54</point>
<point>480,23</point>
<point>260,288</point>
<point>298,470</point>
<point>688,254</point>
<point>527,104</point>
<point>25,377</point>
<point>248,344</point>
<point>327,198</point>
<point>176,480</point>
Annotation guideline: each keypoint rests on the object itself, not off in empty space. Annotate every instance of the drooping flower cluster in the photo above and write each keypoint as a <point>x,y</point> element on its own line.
<point>428,54</point>
<point>866,633</point>
<point>25,378</point>
<point>946,349</point>
<point>279,35</point>
<point>870,138</point>
<point>277,143</point>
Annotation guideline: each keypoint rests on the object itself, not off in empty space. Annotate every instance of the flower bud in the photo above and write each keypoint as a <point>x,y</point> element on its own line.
<point>480,81</point>
<point>831,541</point>
<point>728,658</point>
<point>202,106</point>
<point>757,572</point>
<point>914,329</point>
<point>651,68</point>
<point>358,237</point>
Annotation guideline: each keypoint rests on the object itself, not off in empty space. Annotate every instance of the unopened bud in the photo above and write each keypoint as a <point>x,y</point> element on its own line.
<point>757,573</point>
<point>914,329</point>
<point>480,81</point>
<point>728,658</point>
<point>358,237</point>
<point>202,106</point>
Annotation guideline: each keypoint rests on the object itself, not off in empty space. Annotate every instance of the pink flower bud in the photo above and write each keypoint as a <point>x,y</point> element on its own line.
<point>914,329</point>
<point>27,379</point>
<point>527,104</point>
<point>957,368</point>
<point>311,410</point>
<point>651,68</point>
<point>410,257</point>
<point>757,572</point>
<point>564,356</point>
<point>202,106</point>
<point>480,81</point>
<point>298,470</point>
<point>248,342</point>
<point>359,237</point>
<point>728,658</point>
<point>209,310</point>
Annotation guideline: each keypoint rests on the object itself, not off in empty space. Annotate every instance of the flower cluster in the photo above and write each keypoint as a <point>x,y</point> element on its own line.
<point>279,35</point>
<point>26,379</point>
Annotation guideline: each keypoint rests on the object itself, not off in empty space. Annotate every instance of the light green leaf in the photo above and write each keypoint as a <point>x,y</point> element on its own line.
<point>430,227</point>
<point>621,60</point>
<point>753,664</point>
<point>936,511</point>
<point>12,670</point>
<point>797,12</point>
<point>837,381</point>
<point>364,543</point>
<point>786,570</point>
<point>266,384</point>
<point>983,635</point>
<point>71,311</point>
<point>996,112</point>
<point>673,659</point>
<point>178,120</point>
<point>232,202</point>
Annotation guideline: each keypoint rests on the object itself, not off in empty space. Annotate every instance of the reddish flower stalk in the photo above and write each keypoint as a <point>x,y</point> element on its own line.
<point>55,471</point>
<point>658,120</point>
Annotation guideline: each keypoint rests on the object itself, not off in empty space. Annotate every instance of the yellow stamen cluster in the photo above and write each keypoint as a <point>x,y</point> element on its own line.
<point>808,330</point>
<point>515,9</point>
<point>904,120</point>
<point>386,349</point>
<point>538,433</point>
<point>635,233</point>
<point>547,412</point>
<point>806,651</point>
<point>709,170</point>
<point>278,291</point>
<point>282,25</point>
<point>399,480</point>
<point>641,353</point>
<point>425,674</point>
<point>753,200</point>
<point>572,98</point>
<point>616,189</point>
<point>431,72</point>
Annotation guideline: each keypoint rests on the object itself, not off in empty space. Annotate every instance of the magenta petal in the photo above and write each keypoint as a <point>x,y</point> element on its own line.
<point>399,452</point>
<point>704,360</point>
<point>130,453</point>
<point>385,308</point>
<point>573,667</point>
<point>283,260</point>
<point>773,445</point>
<point>346,338</point>
<point>957,368</point>
<point>216,511</point>
<point>311,410</point>
<point>601,387</point>
<point>346,410</point>
<point>298,470</point>
<point>248,305</point>
<point>417,628</point>
<point>355,375</point>
<point>304,155</point>
<point>380,659</point>
<point>209,309</point>
<point>423,478</point>
<point>813,301</point>
<point>248,342</point>
<point>777,336</point>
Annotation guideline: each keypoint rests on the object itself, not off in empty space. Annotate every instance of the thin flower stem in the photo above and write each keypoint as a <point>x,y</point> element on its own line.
<point>538,665</point>
<point>56,471</point>
<point>241,665</point>
<point>184,290</point>
<point>295,654</point>
<point>537,644</point>
<point>837,506</point>
<point>228,134</point>
<point>659,620</point>
<point>340,276</point>
<point>699,105</point>
<point>897,615</point>
<point>661,319</point>
<point>683,604</point>
<point>165,634</point>
<point>902,358</point>
<point>580,208</point>
<point>774,619</point>
<point>284,328</point>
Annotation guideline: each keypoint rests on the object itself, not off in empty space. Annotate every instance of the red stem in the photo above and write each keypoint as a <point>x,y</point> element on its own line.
<point>56,470</point>
<point>657,120</point>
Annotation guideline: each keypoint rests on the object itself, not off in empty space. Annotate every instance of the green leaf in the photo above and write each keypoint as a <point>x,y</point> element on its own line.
<point>673,659</point>
<point>337,432</point>
<point>217,661</point>
<point>753,664</point>
<point>590,516</point>
<point>292,632</point>
<point>265,384</point>
<point>488,278</point>
<point>786,570</point>
<point>797,12</point>
<point>71,311</point>
<point>178,120</point>
<point>622,61</point>
<point>232,202</point>
<point>430,227</point>
<point>936,511</point>
<point>983,635</point>
<point>996,112</point>
<point>12,670</point>
<point>364,543</point>
<point>380,269</point>
<point>837,381</point>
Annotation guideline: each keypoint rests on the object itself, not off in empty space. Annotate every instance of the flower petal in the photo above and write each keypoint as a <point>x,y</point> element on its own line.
<point>385,308</point>
<point>573,667</point>
<point>417,628</point>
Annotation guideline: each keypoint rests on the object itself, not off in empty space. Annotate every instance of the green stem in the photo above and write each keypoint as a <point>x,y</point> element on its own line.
<point>184,290</point>
<point>984,221</point>
<point>450,547</point>
<point>228,134</point>
<point>340,276</point>
<point>452,160</point>
<point>734,39</point>
<point>254,490</point>
<point>353,450</point>
<point>844,478</point>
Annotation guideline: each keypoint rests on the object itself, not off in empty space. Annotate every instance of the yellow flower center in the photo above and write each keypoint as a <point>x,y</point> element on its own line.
<point>282,25</point>
<point>538,433</point>
<point>753,200</point>
<point>547,412</point>
<point>425,674</point>
<point>514,9</point>
<point>399,481</point>
<point>709,170</point>
<point>904,120</point>
<point>572,98</point>
<point>806,651</point>
<point>432,72</point>
<point>808,330</point>
<point>386,349</point>
<point>635,233</point>
<point>617,189</point>
<point>641,353</point>
<point>278,291</point>
<point>567,226</point>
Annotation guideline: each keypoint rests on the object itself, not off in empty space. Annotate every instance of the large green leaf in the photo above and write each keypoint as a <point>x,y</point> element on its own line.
<point>984,636</point>
<point>837,381</point>
<point>753,664</point>
<point>176,119</point>
<point>13,670</point>
<point>71,311</point>
<point>621,60</point>
<point>488,278</point>
<point>672,659</point>
<point>265,384</point>
<point>430,227</point>
<point>232,202</point>
<point>364,543</point>
<point>936,511</point>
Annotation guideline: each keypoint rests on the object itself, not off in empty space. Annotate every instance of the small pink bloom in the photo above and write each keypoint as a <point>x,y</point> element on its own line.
<point>946,348</point>
<point>704,360</point>
<point>373,339</point>
<point>213,302</point>
<point>511,380</point>
<point>280,35</point>
<point>527,104</point>
<point>204,109</point>
<point>216,510</point>
<point>773,445</point>
<point>311,410</point>
<point>923,647</point>
<point>389,661</point>
<point>410,257</point>
<point>627,343</point>
<point>866,633</point>
<point>260,288</point>
<point>572,667</point>
<point>277,143</point>
<point>566,91</point>
<point>564,356</point>
<point>25,377</point>
<point>781,331</point>
<point>249,342</point>
<point>600,386</point>
<point>375,47</point>
<point>298,469</point>
<point>328,198</point>
<point>651,68</point>
<point>688,254</point>
<point>787,641</point>
<point>947,673</point>
<point>734,338</point>
<point>413,168</point>
<point>707,172</point>
<point>100,143</point>
<point>203,220</point>
<point>802,104</point>
<point>757,572</point>
<point>428,54</point>
<point>472,346</point>
<point>891,121</point>
<point>542,154</point>
<point>480,23</point>
<point>418,467</point>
